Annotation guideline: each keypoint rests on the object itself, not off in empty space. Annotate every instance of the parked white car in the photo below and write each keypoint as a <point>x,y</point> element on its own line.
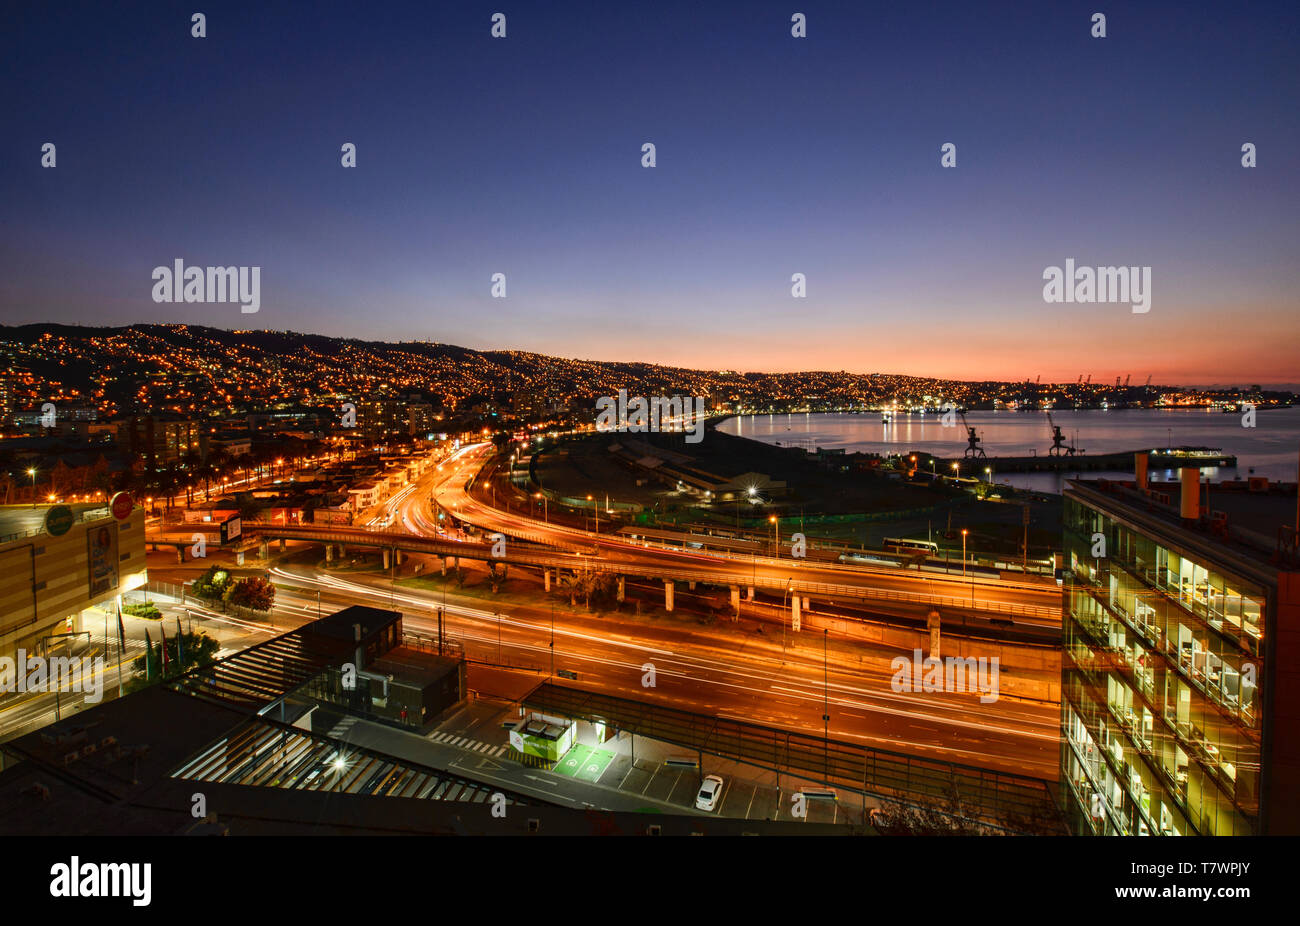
<point>710,792</point>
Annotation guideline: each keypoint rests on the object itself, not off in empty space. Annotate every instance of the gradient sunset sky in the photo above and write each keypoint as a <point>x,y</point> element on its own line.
<point>775,155</point>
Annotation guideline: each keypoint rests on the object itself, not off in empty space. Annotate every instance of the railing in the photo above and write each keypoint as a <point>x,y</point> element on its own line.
<point>428,644</point>
<point>414,543</point>
<point>179,592</point>
<point>720,554</point>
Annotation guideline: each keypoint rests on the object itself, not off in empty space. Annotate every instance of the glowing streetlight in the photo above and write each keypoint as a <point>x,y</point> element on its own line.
<point>776,535</point>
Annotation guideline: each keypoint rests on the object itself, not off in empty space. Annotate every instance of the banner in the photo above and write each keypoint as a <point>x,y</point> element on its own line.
<point>101,546</point>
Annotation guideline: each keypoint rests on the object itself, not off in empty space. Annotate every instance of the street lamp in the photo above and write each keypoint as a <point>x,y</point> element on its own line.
<point>596,512</point>
<point>963,553</point>
<point>988,475</point>
<point>32,472</point>
<point>776,536</point>
<point>956,470</point>
<point>789,587</point>
<point>545,506</point>
<point>826,706</point>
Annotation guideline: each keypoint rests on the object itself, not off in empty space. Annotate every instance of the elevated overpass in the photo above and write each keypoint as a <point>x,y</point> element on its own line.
<point>788,578</point>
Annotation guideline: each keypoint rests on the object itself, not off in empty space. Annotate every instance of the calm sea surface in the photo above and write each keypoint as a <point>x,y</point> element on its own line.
<point>1272,448</point>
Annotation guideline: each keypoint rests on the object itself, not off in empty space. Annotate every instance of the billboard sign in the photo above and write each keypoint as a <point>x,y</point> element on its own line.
<point>101,548</point>
<point>230,529</point>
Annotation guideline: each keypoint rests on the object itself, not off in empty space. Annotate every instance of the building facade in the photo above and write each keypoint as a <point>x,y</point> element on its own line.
<point>1179,681</point>
<point>49,582</point>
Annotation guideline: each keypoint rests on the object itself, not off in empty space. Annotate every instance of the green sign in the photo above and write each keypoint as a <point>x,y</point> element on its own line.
<point>59,520</point>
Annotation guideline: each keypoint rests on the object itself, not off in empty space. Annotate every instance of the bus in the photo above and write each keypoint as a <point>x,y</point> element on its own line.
<point>899,545</point>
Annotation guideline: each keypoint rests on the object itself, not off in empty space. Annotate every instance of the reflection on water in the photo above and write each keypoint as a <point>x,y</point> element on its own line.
<point>1269,449</point>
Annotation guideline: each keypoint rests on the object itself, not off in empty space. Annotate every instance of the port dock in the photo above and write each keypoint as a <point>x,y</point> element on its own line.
<point>1159,459</point>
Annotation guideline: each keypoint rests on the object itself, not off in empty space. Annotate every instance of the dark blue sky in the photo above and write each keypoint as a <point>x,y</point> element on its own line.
<point>775,155</point>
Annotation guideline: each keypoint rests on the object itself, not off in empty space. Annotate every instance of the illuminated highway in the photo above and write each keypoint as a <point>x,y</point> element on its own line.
<point>719,670</point>
<point>1023,600</point>
<point>729,669</point>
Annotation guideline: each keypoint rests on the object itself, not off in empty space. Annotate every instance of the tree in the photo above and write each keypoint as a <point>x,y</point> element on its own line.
<point>254,593</point>
<point>191,650</point>
<point>598,589</point>
<point>212,583</point>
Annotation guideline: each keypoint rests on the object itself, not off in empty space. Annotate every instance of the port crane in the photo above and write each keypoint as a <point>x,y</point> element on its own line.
<point>973,448</point>
<point>1059,445</point>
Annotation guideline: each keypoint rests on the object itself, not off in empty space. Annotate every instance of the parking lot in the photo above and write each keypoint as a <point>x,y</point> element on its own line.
<point>641,769</point>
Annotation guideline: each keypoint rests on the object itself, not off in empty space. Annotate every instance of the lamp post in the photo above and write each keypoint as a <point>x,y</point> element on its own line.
<point>595,512</point>
<point>32,472</point>
<point>963,552</point>
<point>826,707</point>
<point>776,536</point>
<point>789,587</point>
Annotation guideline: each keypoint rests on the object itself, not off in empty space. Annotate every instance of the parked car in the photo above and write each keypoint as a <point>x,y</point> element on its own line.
<point>710,791</point>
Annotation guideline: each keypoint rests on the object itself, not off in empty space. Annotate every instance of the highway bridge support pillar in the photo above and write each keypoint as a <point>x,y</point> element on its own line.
<point>735,601</point>
<point>795,613</point>
<point>388,557</point>
<point>751,594</point>
<point>180,554</point>
<point>546,579</point>
<point>932,624</point>
<point>400,558</point>
<point>668,595</point>
<point>444,565</point>
<point>622,588</point>
<point>264,551</point>
<point>329,552</point>
<point>283,544</point>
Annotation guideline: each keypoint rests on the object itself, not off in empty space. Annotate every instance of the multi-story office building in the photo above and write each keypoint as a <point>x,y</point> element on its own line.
<point>163,439</point>
<point>420,418</point>
<point>1180,680</point>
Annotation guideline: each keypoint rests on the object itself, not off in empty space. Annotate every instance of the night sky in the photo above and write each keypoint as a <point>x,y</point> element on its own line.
<point>775,155</point>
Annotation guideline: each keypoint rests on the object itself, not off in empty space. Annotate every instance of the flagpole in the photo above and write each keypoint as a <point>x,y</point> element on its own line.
<point>121,645</point>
